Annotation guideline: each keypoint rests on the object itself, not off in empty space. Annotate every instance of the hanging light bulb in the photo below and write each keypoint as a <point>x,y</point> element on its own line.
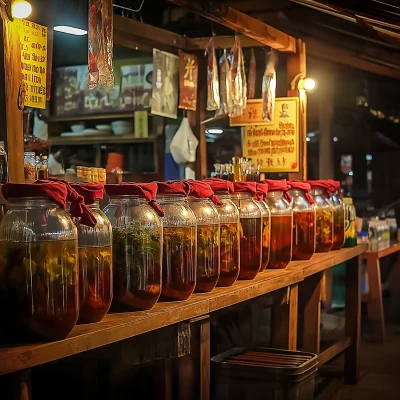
<point>21,9</point>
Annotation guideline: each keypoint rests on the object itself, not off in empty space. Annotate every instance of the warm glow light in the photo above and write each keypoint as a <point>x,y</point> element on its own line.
<point>216,131</point>
<point>309,84</point>
<point>70,30</point>
<point>21,9</point>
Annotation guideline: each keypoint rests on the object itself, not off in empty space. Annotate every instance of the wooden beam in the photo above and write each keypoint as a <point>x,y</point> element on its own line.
<point>252,6</point>
<point>241,23</point>
<point>335,350</point>
<point>221,42</point>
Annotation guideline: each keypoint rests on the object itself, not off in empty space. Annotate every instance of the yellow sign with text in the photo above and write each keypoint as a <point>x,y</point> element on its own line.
<point>275,146</point>
<point>33,39</point>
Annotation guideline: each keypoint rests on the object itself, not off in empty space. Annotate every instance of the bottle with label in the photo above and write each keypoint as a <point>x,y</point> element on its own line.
<point>350,223</point>
<point>3,164</point>
<point>43,169</point>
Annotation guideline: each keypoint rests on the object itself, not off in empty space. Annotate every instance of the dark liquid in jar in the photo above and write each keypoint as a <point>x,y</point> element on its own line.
<point>3,169</point>
<point>338,228</point>
<point>229,243</point>
<point>281,241</point>
<point>324,231</point>
<point>303,235</point>
<point>38,289</point>
<point>207,257</point>
<point>95,283</point>
<point>179,263</point>
<point>250,247</point>
<point>137,267</point>
<point>265,243</point>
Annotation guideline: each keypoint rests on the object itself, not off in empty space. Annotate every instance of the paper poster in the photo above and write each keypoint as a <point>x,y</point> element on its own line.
<point>275,146</point>
<point>141,124</point>
<point>33,39</point>
<point>164,101</point>
<point>188,75</point>
<point>252,114</point>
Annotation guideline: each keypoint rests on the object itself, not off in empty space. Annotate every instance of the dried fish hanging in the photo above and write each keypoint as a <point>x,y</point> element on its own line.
<point>238,79</point>
<point>100,64</point>
<point>213,99</point>
<point>269,87</point>
<point>251,82</point>
<point>225,88</point>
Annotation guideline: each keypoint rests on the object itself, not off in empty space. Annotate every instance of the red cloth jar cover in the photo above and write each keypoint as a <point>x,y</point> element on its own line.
<point>90,191</point>
<point>247,187</point>
<point>202,190</point>
<point>220,185</point>
<point>262,188</point>
<point>337,187</point>
<point>323,184</point>
<point>172,187</point>
<point>146,191</point>
<point>281,185</point>
<point>305,187</point>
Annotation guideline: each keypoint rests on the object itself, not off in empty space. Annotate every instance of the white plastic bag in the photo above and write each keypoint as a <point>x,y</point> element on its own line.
<point>184,144</point>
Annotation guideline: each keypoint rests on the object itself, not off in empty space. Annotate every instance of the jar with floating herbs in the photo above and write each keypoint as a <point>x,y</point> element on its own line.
<point>262,189</point>
<point>338,215</point>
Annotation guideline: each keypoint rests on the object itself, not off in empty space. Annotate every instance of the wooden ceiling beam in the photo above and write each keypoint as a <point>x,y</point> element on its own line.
<point>241,23</point>
<point>249,6</point>
<point>221,42</point>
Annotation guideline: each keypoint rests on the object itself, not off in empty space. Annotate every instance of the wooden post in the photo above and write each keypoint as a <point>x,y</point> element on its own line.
<point>296,64</point>
<point>13,116</point>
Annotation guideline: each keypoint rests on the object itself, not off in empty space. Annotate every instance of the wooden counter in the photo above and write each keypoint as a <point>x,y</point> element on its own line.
<point>116,327</point>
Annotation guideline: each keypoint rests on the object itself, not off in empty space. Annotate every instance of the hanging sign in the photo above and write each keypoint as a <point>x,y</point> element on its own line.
<point>33,39</point>
<point>275,146</point>
<point>164,100</point>
<point>188,74</point>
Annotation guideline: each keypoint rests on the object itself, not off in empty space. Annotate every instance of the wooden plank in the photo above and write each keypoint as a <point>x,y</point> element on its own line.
<point>241,23</point>
<point>394,287</point>
<point>205,360</point>
<point>221,42</point>
<point>333,351</point>
<point>353,319</point>
<point>81,140</point>
<point>394,248</point>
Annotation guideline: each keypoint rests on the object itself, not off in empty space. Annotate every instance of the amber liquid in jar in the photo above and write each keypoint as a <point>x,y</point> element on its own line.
<point>137,267</point>
<point>250,247</point>
<point>265,243</point>
<point>303,235</point>
<point>95,283</point>
<point>324,231</point>
<point>229,243</point>
<point>207,257</point>
<point>38,289</point>
<point>179,263</point>
<point>281,241</point>
<point>338,228</point>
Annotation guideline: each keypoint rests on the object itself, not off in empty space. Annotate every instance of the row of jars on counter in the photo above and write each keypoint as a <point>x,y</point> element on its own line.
<point>63,258</point>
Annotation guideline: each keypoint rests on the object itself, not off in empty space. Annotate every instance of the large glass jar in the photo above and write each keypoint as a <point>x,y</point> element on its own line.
<point>250,229</point>
<point>338,216</point>
<point>324,219</point>
<point>303,221</point>
<point>278,202</point>
<point>266,218</point>
<point>95,258</point>
<point>136,246</point>
<point>38,264</point>
<point>180,242</point>
<point>229,232</point>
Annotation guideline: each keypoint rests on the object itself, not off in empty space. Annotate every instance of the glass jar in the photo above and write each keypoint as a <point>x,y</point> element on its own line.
<point>266,219</point>
<point>250,234</point>
<point>180,246</point>
<point>338,218</point>
<point>303,225</point>
<point>38,270</point>
<point>281,229</point>
<point>95,259</point>
<point>136,250</point>
<point>324,220</point>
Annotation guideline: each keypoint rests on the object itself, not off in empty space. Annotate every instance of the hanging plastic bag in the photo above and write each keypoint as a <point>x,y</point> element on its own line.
<point>184,144</point>
<point>100,45</point>
<point>213,99</point>
<point>225,88</point>
<point>238,79</point>
<point>269,88</point>
<point>251,87</point>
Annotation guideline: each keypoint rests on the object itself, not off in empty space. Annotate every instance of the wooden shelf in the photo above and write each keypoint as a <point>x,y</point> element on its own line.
<point>116,327</point>
<point>93,117</point>
<point>111,139</point>
<point>393,248</point>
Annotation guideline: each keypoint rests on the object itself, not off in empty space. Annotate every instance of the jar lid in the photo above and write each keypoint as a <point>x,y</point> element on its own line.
<point>202,190</point>
<point>247,187</point>
<point>279,185</point>
<point>90,191</point>
<point>220,185</point>
<point>177,188</point>
<point>262,188</point>
<point>304,186</point>
<point>323,184</point>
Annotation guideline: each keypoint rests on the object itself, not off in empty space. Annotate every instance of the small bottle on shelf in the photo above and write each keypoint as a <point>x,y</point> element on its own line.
<point>43,169</point>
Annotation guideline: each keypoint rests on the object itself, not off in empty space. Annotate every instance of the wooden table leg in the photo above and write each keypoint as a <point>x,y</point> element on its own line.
<point>375,303</point>
<point>394,287</point>
<point>205,355</point>
<point>353,319</point>
<point>18,386</point>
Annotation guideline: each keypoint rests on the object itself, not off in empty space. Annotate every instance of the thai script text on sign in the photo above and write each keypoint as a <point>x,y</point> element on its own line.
<point>33,39</point>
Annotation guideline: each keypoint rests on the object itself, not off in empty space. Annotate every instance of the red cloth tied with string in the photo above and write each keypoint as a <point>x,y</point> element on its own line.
<point>90,191</point>
<point>262,188</point>
<point>337,187</point>
<point>202,190</point>
<point>247,187</point>
<point>281,185</point>
<point>172,188</point>
<point>323,184</point>
<point>305,187</point>
<point>78,207</point>
<point>55,192</point>
<point>220,185</point>
<point>146,191</point>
